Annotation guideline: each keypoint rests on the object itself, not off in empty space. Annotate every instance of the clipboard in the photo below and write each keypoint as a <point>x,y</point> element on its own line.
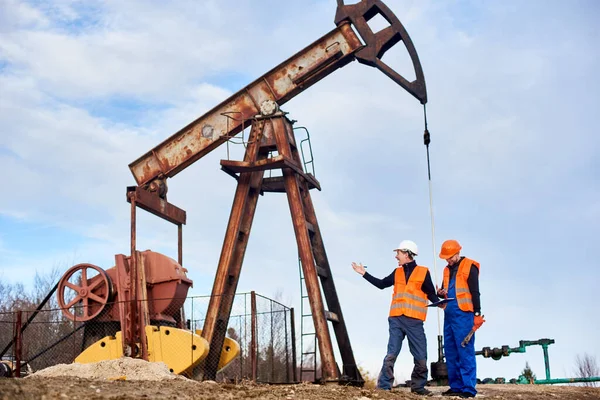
<point>442,301</point>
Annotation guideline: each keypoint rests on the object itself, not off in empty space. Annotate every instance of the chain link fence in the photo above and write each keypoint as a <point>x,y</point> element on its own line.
<point>263,328</point>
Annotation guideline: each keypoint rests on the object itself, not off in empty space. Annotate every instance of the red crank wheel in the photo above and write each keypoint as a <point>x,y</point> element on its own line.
<point>82,298</point>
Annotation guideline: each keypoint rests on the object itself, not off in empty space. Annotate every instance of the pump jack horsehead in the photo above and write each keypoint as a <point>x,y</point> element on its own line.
<point>125,295</point>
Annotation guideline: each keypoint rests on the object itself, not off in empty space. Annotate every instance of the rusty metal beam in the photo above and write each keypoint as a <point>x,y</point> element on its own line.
<point>213,128</point>
<point>251,166</point>
<point>180,244</point>
<point>349,368</point>
<point>275,184</point>
<point>232,254</point>
<point>329,53</point>
<point>329,368</point>
<point>142,304</point>
<point>277,162</point>
<point>132,328</point>
<point>154,204</point>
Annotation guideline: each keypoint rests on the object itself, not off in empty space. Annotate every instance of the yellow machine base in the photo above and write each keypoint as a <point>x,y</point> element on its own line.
<point>230,350</point>
<point>181,350</point>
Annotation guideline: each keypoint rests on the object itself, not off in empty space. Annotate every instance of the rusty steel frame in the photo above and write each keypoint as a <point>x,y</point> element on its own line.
<point>329,53</point>
<point>377,43</point>
<point>213,129</point>
<point>334,50</point>
<point>131,276</point>
<point>276,133</point>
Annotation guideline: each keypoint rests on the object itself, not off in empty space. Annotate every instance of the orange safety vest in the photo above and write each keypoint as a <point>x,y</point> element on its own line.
<point>408,298</point>
<point>463,295</point>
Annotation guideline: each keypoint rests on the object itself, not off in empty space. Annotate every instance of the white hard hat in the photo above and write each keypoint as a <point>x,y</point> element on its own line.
<point>408,245</point>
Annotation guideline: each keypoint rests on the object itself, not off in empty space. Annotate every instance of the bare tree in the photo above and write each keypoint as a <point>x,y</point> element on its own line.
<point>46,328</point>
<point>586,366</point>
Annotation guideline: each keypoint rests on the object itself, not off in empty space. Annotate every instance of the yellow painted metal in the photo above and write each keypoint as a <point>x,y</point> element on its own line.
<point>181,350</point>
<point>107,348</point>
<point>230,350</point>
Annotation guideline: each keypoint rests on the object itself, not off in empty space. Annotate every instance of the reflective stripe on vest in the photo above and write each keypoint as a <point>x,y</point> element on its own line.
<point>463,294</point>
<point>408,298</point>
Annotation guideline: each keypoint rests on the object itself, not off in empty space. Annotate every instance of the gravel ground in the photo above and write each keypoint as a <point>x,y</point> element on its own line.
<point>49,388</point>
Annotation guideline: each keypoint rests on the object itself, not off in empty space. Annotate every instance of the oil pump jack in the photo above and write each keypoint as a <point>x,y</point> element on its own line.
<point>256,106</point>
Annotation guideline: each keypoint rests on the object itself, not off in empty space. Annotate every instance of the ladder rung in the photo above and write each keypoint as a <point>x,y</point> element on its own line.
<point>276,162</point>
<point>331,316</point>
<point>308,370</point>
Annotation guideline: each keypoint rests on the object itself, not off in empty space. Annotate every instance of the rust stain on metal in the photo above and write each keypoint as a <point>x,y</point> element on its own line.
<point>173,155</point>
<point>153,203</point>
<point>305,68</point>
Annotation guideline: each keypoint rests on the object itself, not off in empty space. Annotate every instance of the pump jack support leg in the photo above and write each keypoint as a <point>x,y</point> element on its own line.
<point>232,254</point>
<point>349,369</point>
<point>292,188</point>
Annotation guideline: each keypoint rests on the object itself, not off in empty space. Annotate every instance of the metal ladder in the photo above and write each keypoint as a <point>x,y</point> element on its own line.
<point>310,152</point>
<point>304,354</point>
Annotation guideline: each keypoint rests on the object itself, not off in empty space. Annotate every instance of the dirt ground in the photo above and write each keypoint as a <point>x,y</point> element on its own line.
<point>127,378</point>
<point>49,388</point>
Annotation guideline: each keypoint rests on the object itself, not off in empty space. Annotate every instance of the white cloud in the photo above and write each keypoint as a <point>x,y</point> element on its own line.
<point>14,13</point>
<point>513,152</point>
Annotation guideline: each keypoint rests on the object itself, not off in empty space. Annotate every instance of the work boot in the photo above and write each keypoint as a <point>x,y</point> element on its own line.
<point>422,392</point>
<point>466,395</point>
<point>451,392</point>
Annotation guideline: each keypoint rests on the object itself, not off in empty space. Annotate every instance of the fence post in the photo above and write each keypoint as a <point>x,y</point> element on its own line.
<point>272,347</point>
<point>74,345</point>
<point>287,348</point>
<point>293,328</point>
<point>18,344</point>
<point>253,344</point>
<point>241,345</point>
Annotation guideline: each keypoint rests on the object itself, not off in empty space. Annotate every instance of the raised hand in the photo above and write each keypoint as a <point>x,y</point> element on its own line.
<point>358,268</point>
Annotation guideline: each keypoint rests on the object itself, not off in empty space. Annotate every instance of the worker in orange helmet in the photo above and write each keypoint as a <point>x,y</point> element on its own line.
<point>412,288</point>
<point>461,316</point>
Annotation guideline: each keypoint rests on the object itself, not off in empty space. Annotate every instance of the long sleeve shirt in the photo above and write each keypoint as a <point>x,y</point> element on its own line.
<point>408,268</point>
<point>472,282</point>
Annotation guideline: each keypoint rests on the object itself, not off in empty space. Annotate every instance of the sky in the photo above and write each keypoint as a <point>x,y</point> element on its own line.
<point>87,87</point>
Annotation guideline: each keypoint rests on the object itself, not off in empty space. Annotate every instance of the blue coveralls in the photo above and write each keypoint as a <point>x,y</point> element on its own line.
<point>417,343</point>
<point>460,361</point>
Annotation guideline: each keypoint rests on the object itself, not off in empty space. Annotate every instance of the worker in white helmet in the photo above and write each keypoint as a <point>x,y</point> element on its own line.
<point>412,288</point>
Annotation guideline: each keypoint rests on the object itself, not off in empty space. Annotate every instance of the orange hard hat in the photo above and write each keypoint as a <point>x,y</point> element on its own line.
<point>449,248</point>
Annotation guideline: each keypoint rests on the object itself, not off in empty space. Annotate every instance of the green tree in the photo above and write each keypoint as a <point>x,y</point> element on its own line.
<point>528,373</point>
